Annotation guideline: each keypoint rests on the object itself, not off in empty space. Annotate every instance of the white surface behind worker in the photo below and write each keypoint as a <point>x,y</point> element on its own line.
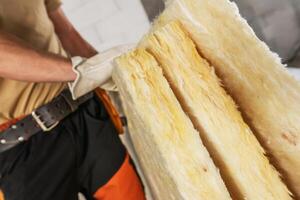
<point>108,23</point>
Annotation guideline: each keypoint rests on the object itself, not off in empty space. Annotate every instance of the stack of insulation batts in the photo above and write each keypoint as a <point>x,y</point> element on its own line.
<point>212,112</point>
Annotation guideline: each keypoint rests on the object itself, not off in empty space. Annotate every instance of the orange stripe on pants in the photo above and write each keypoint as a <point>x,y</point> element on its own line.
<point>124,185</point>
<point>1,195</point>
<point>7,124</point>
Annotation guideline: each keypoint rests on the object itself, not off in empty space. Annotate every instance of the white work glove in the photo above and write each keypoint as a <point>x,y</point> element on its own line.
<point>95,72</point>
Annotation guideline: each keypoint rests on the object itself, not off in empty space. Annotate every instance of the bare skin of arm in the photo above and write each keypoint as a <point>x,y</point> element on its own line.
<point>75,45</point>
<point>19,61</point>
<point>71,40</point>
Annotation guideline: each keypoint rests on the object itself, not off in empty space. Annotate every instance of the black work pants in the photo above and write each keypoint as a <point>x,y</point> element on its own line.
<point>80,155</point>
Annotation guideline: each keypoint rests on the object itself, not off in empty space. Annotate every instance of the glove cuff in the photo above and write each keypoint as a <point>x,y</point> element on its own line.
<point>76,61</point>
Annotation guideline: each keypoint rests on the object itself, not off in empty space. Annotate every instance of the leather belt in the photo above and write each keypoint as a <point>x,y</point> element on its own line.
<point>45,118</point>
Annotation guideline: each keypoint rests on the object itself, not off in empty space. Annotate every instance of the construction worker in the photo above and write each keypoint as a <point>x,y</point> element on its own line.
<point>52,146</point>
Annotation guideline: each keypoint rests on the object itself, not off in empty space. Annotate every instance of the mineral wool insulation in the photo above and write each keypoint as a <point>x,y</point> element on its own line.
<point>267,95</point>
<point>228,138</point>
<point>175,162</point>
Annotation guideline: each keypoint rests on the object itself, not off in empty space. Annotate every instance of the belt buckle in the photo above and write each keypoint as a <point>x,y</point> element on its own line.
<point>42,125</point>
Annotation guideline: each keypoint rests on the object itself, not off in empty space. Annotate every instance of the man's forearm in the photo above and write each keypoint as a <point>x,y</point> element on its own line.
<point>71,40</point>
<point>18,61</point>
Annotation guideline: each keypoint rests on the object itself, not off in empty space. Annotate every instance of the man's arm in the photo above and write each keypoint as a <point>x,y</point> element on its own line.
<point>75,45</point>
<point>19,61</point>
<point>71,40</point>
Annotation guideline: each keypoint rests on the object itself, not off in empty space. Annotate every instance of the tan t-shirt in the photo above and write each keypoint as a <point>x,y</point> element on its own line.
<point>28,20</point>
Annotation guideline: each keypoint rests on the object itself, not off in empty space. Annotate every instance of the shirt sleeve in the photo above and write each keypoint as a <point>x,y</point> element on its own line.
<point>52,4</point>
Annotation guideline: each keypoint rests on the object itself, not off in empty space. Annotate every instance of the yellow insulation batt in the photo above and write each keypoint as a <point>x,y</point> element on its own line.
<point>267,95</point>
<point>170,151</point>
<point>246,171</point>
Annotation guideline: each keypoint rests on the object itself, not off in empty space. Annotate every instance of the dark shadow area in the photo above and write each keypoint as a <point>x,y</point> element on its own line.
<point>277,23</point>
<point>153,8</point>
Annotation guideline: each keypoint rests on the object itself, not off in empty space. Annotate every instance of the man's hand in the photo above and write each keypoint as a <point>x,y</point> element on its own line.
<point>75,45</point>
<point>95,72</point>
<point>91,73</point>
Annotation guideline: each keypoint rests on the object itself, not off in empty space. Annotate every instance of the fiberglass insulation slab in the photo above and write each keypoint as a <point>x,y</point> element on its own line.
<point>175,162</point>
<point>228,138</point>
<point>266,93</point>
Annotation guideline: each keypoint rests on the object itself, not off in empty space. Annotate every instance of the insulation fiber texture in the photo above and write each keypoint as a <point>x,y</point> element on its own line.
<point>267,95</point>
<point>170,151</point>
<point>228,138</point>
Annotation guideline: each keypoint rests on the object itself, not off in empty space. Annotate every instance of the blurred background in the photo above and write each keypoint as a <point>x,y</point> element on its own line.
<point>106,23</point>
